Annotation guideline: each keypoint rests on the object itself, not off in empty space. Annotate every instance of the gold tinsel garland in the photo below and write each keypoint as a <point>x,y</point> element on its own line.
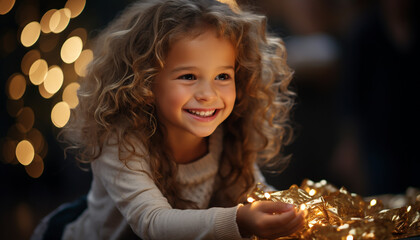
<point>333,213</point>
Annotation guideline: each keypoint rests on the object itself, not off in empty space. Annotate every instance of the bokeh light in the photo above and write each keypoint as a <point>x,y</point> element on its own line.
<point>27,60</point>
<point>81,63</point>
<point>70,94</point>
<point>45,21</point>
<point>76,7</point>
<point>14,132</point>
<point>6,6</point>
<point>59,20</point>
<point>60,114</point>
<point>38,71</point>
<point>16,86</point>
<point>36,168</point>
<point>30,34</point>
<point>25,119</point>
<point>54,79</point>
<point>25,152</point>
<point>71,49</point>
<point>43,92</point>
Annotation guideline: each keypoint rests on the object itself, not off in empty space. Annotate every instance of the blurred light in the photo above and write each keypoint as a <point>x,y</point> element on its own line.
<point>14,107</point>
<point>29,58</point>
<point>54,79</point>
<point>30,34</point>
<point>25,152</point>
<point>36,138</point>
<point>6,6</point>
<point>25,120</point>
<point>71,49</point>
<point>76,7</point>
<point>47,42</point>
<point>250,199</point>
<point>44,92</point>
<point>373,202</point>
<point>16,86</point>
<point>36,168</point>
<point>45,21</point>
<point>267,195</point>
<point>302,207</point>
<point>312,192</point>
<point>80,32</point>
<point>38,71</point>
<point>60,114</point>
<point>408,208</point>
<point>349,237</point>
<point>8,150</point>
<point>81,63</point>
<point>59,20</point>
<point>70,94</point>
<point>232,4</point>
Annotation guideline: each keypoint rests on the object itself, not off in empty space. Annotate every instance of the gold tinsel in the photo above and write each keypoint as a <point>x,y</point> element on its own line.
<point>334,213</point>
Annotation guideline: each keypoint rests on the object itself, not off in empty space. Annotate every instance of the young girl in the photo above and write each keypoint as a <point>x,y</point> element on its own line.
<point>181,101</point>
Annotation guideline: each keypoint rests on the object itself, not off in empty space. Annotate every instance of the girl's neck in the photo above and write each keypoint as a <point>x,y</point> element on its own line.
<point>188,149</point>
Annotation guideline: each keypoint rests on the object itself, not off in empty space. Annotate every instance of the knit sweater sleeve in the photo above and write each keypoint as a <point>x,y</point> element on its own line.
<point>148,212</point>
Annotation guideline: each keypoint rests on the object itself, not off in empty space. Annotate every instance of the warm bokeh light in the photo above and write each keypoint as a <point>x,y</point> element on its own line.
<point>6,6</point>
<point>36,138</point>
<point>76,7</point>
<point>16,86</point>
<point>70,94</point>
<point>30,34</point>
<point>54,79</point>
<point>312,192</point>
<point>80,32</point>
<point>373,202</point>
<point>36,168</point>
<point>71,49</point>
<point>8,150</point>
<point>45,21</point>
<point>60,114</point>
<point>25,119</point>
<point>29,58</point>
<point>25,152</point>
<point>81,63</point>
<point>38,71</point>
<point>59,20</point>
<point>14,107</point>
<point>44,92</point>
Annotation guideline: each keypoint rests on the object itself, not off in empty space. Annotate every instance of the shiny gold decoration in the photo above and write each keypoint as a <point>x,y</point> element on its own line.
<point>334,213</point>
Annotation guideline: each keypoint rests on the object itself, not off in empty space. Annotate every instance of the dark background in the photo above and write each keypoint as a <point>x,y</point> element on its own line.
<point>356,76</point>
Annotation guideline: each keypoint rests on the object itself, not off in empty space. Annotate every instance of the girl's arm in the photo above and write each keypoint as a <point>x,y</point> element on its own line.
<point>148,212</point>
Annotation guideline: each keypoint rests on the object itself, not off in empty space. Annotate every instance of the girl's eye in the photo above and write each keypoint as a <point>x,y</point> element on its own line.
<point>223,76</point>
<point>187,77</point>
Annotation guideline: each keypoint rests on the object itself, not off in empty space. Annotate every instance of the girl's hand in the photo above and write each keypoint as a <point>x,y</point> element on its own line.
<point>268,219</point>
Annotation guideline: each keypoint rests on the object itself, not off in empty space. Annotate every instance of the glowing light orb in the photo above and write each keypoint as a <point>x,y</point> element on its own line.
<point>60,114</point>
<point>30,34</point>
<point>54,80</point>
<point>71,49</point>
<point>25,152</point>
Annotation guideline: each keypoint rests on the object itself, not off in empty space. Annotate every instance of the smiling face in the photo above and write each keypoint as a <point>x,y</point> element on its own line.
<point>195,92</point>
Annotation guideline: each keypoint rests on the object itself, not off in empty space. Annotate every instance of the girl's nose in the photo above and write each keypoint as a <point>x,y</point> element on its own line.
<point>205,91</point>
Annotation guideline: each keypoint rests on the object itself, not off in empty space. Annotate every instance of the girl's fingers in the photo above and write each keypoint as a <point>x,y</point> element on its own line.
<point>274,207</point>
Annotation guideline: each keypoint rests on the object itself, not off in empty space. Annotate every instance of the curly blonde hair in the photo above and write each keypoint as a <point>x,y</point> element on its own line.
<point>116,97</point>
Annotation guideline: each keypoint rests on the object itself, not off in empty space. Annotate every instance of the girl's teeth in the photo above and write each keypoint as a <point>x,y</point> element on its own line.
<point>202,113</point>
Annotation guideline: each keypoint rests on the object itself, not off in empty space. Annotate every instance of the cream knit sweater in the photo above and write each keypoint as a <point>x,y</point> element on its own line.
<point>123,201</point>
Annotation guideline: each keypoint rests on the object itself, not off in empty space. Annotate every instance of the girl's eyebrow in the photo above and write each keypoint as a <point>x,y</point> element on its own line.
<point>183,68</point>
